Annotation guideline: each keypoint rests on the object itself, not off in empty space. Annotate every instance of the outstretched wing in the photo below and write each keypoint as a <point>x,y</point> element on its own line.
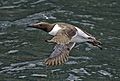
<point>64,35</point>
<point>60,54</point>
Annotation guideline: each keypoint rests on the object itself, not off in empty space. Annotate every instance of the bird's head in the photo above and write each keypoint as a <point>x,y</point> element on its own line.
<point>43,26</point>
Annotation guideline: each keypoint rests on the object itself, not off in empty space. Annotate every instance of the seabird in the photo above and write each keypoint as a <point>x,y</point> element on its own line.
<point>65,36</point>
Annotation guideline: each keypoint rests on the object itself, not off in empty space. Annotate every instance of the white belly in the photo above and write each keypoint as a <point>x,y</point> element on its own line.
<point>80,36</point>
<point>78,39</point>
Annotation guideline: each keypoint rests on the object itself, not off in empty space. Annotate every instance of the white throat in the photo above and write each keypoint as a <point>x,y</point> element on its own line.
<point>55,30</point>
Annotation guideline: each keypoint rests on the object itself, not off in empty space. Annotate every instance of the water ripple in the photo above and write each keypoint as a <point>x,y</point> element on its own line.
<point>105,73</point>
<point>20,1</point>
<point>72,77</point>
<point>3,33</point>
<point>8,7</point>
<point>22,76</point>
<point>55,70</point>
<point>11,41</point>
<point>12,51</point>
<point>34,18</point>
<point>37,2</point>
<point>71,62</point>
<point>39,75</point>
<point>5,24</point>
<point>95,66</point>
<point>17,67</point>
<point>1,63</point>
<point>83,57</point>
<point>81,71</point>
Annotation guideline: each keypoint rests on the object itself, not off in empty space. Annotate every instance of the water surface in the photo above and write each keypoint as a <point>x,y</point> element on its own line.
<point>22,49</point>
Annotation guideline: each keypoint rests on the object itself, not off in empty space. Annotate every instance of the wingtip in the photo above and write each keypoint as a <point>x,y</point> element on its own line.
<point>56,61</point>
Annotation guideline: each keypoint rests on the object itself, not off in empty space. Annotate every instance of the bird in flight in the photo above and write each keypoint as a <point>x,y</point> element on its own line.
<point>65,36</point>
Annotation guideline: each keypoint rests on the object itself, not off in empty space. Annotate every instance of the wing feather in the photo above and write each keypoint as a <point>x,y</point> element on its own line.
<point>59,55</point>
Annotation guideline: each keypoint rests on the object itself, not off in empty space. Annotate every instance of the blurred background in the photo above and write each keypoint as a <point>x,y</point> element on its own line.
<point>22,49</point>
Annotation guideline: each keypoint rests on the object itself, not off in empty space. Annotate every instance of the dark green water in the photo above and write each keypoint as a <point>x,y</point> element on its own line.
<point>22,50</point>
